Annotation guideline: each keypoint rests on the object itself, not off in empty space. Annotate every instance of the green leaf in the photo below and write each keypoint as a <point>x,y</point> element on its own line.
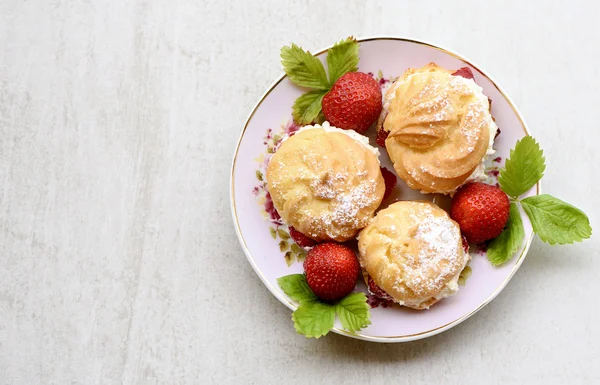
<point>342,58</point>
<point>555,221</point>
<point>296,249</point>
<point>523,169</point>
<point>296,288</point>
<point>353,311</point>
<point>283,246</point>
<point>314,319</point>
<point>300,257</point>
<point>303,68</point>
<point>288,258</point>
<point>504,246</point>
<point>307,107</point>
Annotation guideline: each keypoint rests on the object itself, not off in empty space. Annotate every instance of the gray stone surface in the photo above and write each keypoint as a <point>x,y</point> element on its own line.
<point>118,258</point>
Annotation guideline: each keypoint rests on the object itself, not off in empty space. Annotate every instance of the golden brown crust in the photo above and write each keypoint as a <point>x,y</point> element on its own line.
<point>413,251</point>
<point>325,184</point>
<point>439,128</point>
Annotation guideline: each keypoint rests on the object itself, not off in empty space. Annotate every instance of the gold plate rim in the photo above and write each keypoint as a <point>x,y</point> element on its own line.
<point>292,306</point>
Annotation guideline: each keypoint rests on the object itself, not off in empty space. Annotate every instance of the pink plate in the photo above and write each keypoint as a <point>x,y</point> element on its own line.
<point>265,241</point>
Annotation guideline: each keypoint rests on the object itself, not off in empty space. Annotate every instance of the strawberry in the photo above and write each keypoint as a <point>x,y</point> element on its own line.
<point>331,270</point>
<point>377,291</point>
<point>465,244</point>
<point>381,137</point>
<point>464,72</point>
<point>301,239</point>
<point>354,102</point>
<point>390,181</point>
<point>481,211</point>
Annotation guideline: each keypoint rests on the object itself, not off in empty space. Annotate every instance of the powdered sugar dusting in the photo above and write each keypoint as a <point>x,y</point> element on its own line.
<point>439,255</point>
<point>471,118</point>
<point>347,205</point>
<point>325,188</point>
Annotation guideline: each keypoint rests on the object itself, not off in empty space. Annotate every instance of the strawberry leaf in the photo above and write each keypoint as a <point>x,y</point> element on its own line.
<point>342,58</point>
<point>303,68</point>
<point>555,221</point>
<point>504,246</point>
<point>314,319</point>
<point>353,312</point>
<point>307,107</point>
<point>523,169</point>
<point>296,287</point>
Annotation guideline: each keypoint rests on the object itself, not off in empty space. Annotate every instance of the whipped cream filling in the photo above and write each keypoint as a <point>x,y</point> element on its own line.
<point>478,174</point>
<point>361,139</point>
<point>452,286</point>
<point>449,288</point>
<point>492,127</point>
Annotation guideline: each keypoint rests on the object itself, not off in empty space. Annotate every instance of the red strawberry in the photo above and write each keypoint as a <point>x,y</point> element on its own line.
<point>381,137</point>
<point>301,239</point>
<point>377,291</point>
<point>464,72</point>
<point>465,244</point>
<point>390,181</point>
<point>331,270</point>
<point>354,102</point>
<point>481,211</point>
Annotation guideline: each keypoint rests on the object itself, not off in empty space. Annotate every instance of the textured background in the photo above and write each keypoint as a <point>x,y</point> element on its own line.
<point>118,258</point>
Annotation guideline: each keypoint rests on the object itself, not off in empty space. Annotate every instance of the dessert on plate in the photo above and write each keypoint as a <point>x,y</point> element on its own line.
<point>413,252</point>
<point>439,129</point>
<point>326,182</point>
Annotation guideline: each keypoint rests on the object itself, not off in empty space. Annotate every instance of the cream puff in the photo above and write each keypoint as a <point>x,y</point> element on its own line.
<point>413,251</point>
<point>326,182</point>
<point>439,129</point>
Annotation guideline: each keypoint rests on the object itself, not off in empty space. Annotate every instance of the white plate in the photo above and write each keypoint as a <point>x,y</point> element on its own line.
<point>389,57</point>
